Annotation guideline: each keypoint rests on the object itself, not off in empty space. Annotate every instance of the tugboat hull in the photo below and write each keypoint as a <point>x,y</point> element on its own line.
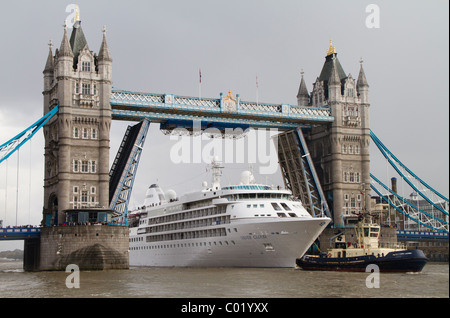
<point>398,261</point>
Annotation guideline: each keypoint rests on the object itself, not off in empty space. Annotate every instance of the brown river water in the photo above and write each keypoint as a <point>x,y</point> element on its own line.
<point>432,282</point>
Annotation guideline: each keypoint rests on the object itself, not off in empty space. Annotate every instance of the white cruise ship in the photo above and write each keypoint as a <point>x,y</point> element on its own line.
<point>245,225</point>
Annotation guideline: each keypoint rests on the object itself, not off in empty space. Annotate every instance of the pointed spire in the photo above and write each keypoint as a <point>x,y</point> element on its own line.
<point>332,49</point>
<point>103,54</point>
<point>77,41</point>
<point>49,66</point>
<point>303,91</point>
<point>362,81</point>
<point>65,49</point>
<point>334,76</point>
<point>303,95</point>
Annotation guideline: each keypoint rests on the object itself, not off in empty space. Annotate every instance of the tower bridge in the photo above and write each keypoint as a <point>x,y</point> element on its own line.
<point>323,149</point>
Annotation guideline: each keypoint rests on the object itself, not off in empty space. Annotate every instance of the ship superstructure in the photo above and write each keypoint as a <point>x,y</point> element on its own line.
<point>243,225</point>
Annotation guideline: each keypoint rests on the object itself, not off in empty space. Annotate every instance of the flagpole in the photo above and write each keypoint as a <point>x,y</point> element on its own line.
<point>200,84</point>
<point>257,90</point>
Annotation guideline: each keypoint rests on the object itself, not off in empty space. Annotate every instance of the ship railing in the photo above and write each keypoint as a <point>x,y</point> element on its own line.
<point>392,245</point>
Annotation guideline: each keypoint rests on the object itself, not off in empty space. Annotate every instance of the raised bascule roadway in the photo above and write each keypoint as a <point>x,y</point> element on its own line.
<point>323,149</point>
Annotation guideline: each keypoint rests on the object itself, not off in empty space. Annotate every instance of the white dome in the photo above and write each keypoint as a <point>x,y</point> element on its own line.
<point>247,177</point>
<point>171,195</point>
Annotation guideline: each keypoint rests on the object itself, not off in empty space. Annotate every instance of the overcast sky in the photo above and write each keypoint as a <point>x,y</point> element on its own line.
<point>159,46</point>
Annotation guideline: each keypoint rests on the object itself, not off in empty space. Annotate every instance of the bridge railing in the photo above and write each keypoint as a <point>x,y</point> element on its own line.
<point>172,103</point>
<point>424,235</point>
<point>19,233</point>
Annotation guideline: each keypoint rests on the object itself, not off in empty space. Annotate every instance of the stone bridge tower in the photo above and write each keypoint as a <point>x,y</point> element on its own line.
<point>340,151</point>
<point>77,139</point>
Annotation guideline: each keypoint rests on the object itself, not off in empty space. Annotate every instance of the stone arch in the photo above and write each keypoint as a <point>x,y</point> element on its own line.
<point>51,215</point>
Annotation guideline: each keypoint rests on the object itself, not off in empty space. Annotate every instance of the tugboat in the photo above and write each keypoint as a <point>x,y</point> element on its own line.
<point>346,256</point>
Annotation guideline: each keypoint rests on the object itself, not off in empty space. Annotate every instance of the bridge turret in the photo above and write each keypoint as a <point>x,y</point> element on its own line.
<point>362,85</point>
<point>77,142</point>
<point>341,148</point>
<point>48,76</point>
<point>303,95</point>
<point>64,56</point>
<point>334,82</point>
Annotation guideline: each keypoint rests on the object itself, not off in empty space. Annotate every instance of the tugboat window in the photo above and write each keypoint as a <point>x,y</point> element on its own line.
<point>366,232</point>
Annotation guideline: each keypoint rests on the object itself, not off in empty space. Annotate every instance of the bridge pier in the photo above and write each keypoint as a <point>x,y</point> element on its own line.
<point>31,254</point>
<point>90,247</point>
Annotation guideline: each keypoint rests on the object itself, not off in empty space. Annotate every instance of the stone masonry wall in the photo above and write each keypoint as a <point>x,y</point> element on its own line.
<point>93,247</point>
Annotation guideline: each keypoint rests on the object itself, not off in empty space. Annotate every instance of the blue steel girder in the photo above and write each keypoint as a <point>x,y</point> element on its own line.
<point>122,193</point>
<point>409,209</point>
<point>19,233</point>
<point>134,106</point>
<point>410,178</point>
<point>422,235</point>
<point>299,174</point>
<point>14,144</point>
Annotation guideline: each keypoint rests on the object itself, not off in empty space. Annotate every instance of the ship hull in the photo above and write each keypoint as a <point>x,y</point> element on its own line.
<point>398,261</point>
<point>269,242</point>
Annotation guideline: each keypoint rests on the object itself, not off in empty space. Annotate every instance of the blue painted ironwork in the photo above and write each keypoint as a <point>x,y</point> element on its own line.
<point>122,193</point>
<point>12,145</point>
<point>19,233</point>
<point>414,213</point>
<point>407,175</point>
<point>162,107</point>
<point>314,187</point>
<point>423,235</point>
<point>299,173</point>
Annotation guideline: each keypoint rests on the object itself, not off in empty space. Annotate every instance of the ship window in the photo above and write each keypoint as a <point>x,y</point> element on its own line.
<point>293,215</point>
<point>249,206</point>
<point>281,215</point>
<point>255,205</point>
<point>285,206</point>
<point>275,206</point>
<point>261,205</point>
